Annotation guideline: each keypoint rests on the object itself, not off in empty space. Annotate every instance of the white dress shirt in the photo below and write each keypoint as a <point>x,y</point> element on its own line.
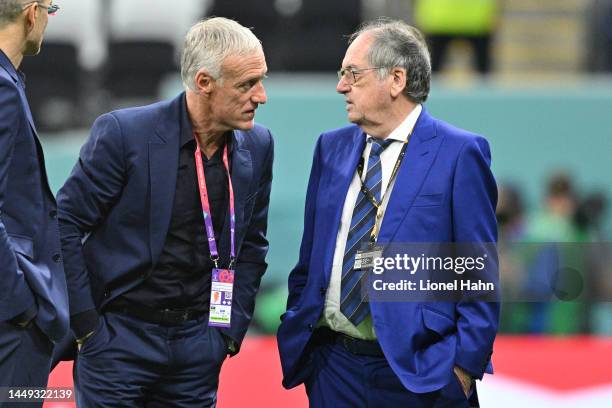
<point>332,316</point>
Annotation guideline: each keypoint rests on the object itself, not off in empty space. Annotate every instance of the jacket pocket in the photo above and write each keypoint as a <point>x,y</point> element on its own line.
<point>428,200</point>
<point>23,245</point>
<point>438,322</point>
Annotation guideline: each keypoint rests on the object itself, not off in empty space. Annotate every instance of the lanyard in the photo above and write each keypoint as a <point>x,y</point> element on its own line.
<point>210,233</point>
<point>378,204</point>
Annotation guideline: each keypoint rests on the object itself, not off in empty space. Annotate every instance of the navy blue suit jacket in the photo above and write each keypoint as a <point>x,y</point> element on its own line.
<point>444,192</point>
<point>115,209</point>
<point>31,274</point>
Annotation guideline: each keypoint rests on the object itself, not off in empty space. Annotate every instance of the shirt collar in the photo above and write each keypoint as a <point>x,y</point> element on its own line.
<point>405,128</point>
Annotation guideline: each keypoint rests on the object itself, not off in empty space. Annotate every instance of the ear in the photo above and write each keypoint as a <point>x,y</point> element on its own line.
<point>204,82</point>
<point>29,18</point>
<point>398,81</point>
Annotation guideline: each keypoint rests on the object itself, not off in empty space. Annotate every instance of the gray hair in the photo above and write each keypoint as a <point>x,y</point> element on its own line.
<point>10,10</point>
<point>397,44</point>
<point>209,42</point>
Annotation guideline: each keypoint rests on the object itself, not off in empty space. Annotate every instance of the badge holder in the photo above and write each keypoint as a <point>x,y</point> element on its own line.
<point>222,280</point>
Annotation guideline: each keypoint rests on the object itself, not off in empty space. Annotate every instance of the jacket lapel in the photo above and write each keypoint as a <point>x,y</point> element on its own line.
<point>6,65</point>
<point>41,158</point>
<point>242,176</point>
<point>346,155</point>
<point>420,154</point>
<point>163,168</point>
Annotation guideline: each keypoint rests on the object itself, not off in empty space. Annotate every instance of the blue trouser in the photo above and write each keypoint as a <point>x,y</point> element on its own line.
<point>25,360</point>
<point>132,363</point>
<point>341,379</point>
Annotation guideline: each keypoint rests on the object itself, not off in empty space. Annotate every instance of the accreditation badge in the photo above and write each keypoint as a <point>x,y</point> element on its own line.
<point>364,258</point>
<point>221,291</point>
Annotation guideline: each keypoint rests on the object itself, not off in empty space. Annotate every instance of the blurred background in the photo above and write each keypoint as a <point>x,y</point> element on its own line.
<point>533,77</point>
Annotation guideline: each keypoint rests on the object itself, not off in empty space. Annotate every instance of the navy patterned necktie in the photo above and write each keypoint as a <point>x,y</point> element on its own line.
<point>352,304</point>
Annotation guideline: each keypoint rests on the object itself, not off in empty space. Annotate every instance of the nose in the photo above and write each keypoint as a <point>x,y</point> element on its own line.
<point>259,94</point>
<point>342,87</point>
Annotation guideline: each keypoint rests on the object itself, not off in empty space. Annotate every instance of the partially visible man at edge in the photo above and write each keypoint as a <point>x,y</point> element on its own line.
<point>164,202</point>
<point>347,350</point>
<point>33,298</point>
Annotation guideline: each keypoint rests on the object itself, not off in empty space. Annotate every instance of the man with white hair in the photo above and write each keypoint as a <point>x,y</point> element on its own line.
<point>163,226</point>
<point>33,298</point>
<point>396,175</point>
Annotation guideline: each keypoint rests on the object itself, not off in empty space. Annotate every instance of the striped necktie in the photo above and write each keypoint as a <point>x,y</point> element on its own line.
<point>352,304</point>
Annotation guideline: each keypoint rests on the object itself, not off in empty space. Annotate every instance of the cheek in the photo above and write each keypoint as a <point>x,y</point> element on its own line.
<point>234,104</point>
<point>378,101</point>
<point>364,103</point>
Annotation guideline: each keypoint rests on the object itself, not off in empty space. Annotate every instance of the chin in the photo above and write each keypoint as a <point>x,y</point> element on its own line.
<point>354,118</point>
<point>245,125</point>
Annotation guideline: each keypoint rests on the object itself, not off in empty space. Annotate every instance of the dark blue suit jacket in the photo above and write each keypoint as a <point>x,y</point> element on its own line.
<point>31,274</point>
<point>115,209</point>
<point>444,192</point>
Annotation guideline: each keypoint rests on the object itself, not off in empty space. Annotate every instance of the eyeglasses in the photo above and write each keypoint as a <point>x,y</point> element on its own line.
<point>352,78</point>
<point>51,8</point>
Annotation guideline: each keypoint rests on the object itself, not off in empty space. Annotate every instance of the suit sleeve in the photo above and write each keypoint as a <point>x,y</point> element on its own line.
<point>474,202</point>
<point>13,286</point>
<point>89,193</point>
<point>299,275</point>
<point>251,263</point>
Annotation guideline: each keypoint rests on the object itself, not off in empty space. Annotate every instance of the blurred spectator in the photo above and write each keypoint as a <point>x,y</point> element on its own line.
<point>554,223</point>
<point>511,225</point>
<point>599,36</point>
<point>589,222</point>
<point>554,228</point>
<point>444,21</point>
<point>510,213</point>
<point>588,217</point>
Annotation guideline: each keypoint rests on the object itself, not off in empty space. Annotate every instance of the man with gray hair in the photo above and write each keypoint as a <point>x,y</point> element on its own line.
<point>163,226</point>
<point>396,175</point>
<point>33,298</point>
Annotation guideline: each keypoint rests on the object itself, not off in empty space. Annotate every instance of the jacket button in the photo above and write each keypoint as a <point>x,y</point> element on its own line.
<point>309,327</point>
<point>57,258</point>
<point>106,293</point>
<point>323,291</point>
<point>53,214</point>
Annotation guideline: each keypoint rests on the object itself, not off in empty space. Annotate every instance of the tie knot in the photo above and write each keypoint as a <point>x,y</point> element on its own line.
<point>378,145</point>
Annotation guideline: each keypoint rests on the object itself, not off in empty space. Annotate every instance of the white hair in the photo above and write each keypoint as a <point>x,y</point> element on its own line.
<point>397,44</point>
<point>209,42</point>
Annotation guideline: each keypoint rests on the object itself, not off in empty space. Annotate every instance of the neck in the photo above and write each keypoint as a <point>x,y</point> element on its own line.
<point>393,117</point>
<point>209,136</point>
<point>12,43</point>
<point>209,143</point>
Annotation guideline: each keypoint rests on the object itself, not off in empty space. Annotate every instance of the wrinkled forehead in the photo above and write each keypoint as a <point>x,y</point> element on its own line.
<point>239,64</point>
